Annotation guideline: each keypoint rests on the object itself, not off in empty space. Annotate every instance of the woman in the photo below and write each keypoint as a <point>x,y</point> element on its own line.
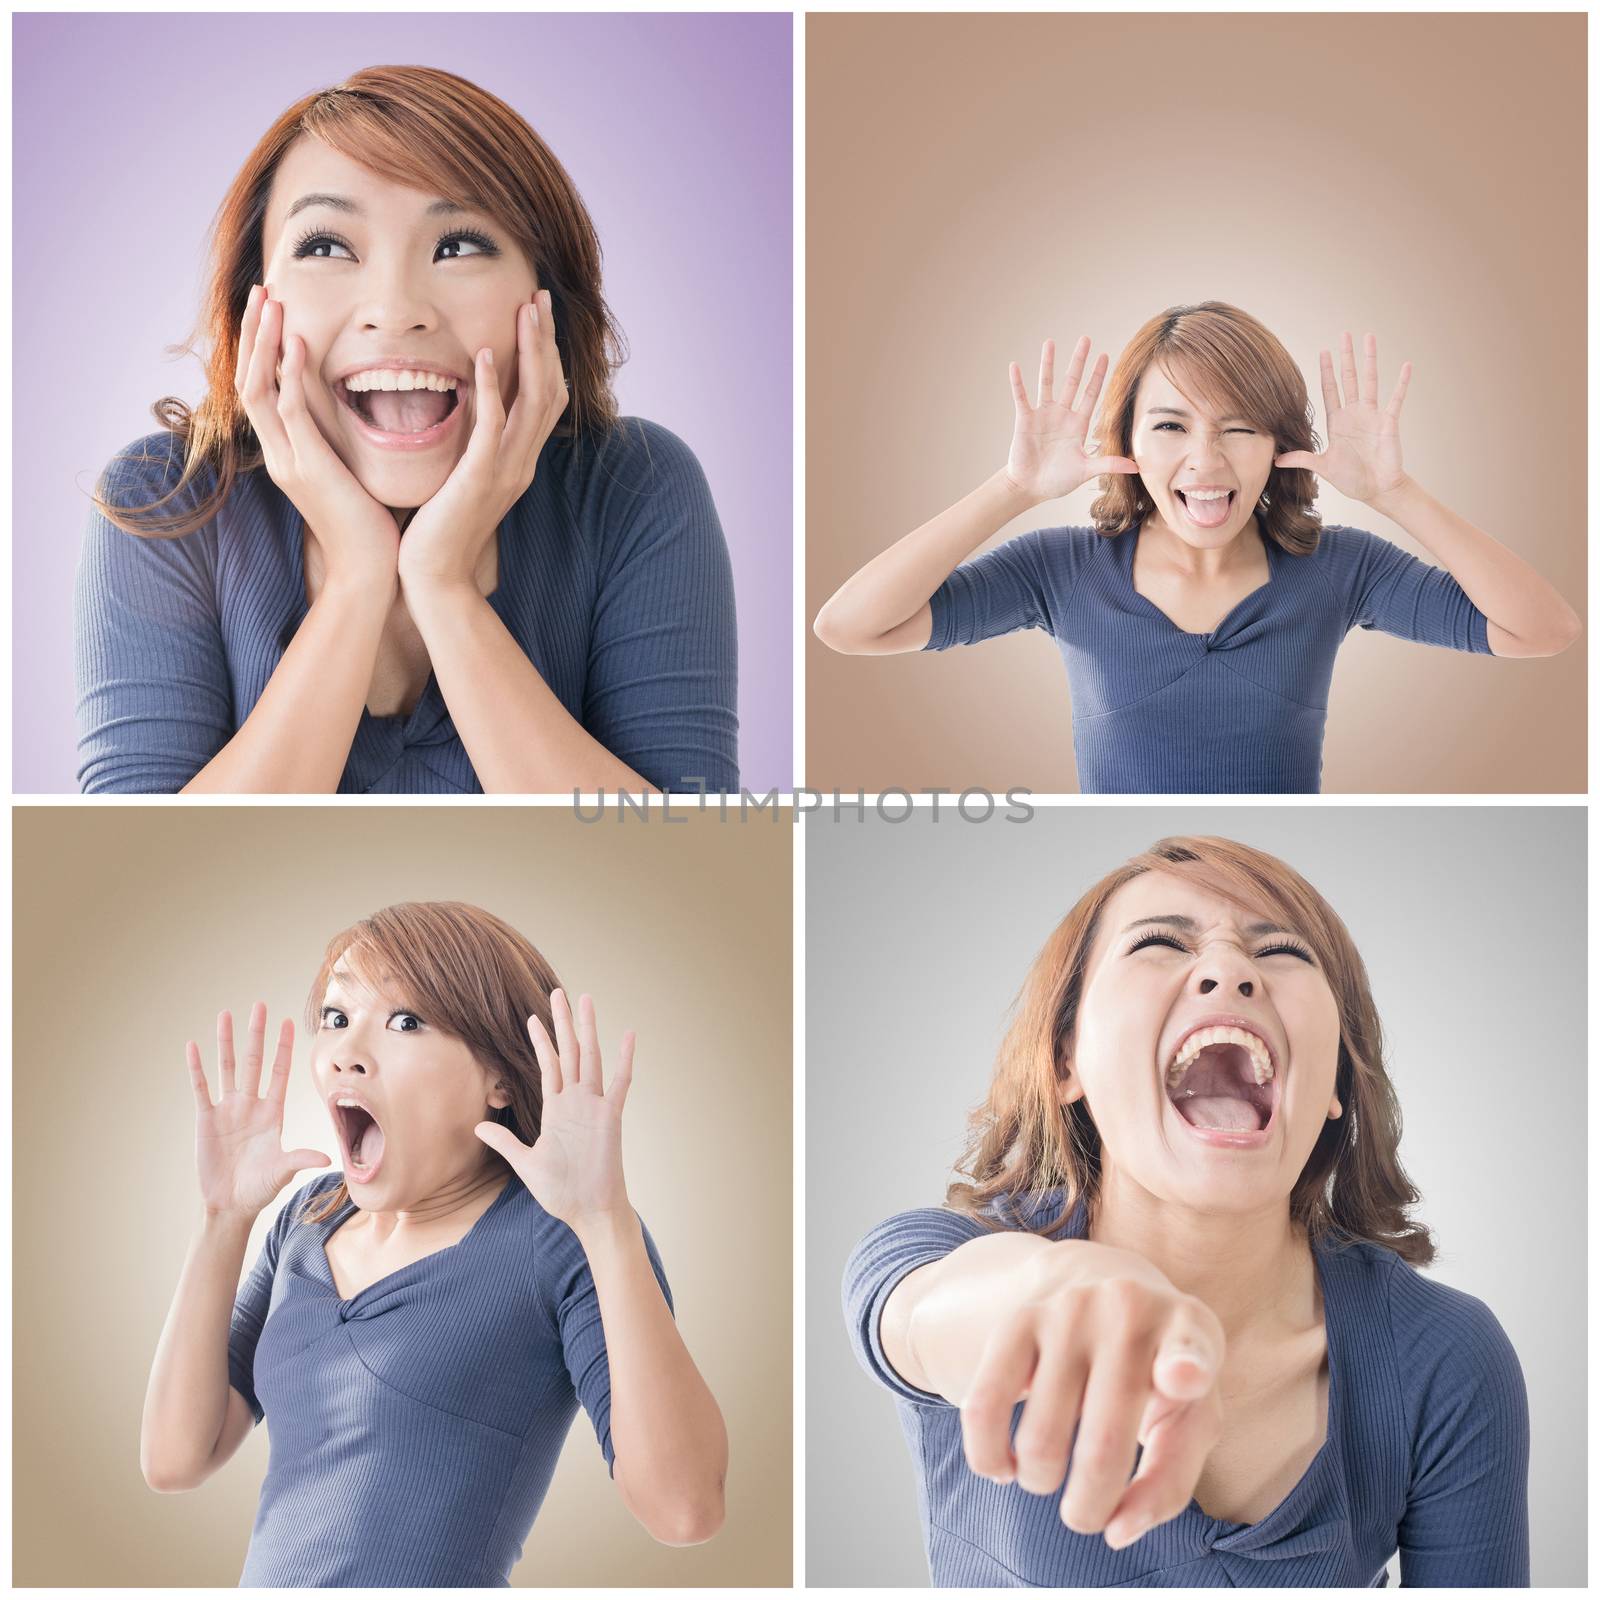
<point>405,544</point>
<point>1184,1246</point>
<point>1199,617</point>
<point>421,1327</point>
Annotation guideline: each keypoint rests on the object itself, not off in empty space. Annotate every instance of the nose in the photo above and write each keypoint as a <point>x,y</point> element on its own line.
<point>1224,968</point>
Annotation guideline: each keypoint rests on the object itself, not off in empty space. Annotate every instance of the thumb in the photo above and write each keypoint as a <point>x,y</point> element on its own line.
<point>1296,458</point>
<point>499,1138</point>
<point>298,1160</point>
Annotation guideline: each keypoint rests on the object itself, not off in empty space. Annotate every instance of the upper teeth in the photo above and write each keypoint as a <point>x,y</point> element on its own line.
<point>1260,1058</point>
<point>389,378</point>
<point>347,1100</point>
<point>1207,494</point>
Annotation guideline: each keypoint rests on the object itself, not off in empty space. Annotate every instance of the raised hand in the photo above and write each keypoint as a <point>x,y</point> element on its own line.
<point>1047,458</point>
<point>238,1142</point>
<point>1362,460</point>
<point>446,537</point>
<point>1112,1350</point>
<point>358,537</point>
<point>574,1168</point>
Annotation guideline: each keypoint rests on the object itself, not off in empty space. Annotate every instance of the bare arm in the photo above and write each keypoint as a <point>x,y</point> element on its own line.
<point>184,1436</point>
<point>297,737</point>
<point>1526,615</point>
<point>883,609</point>
<point>670,1445</point>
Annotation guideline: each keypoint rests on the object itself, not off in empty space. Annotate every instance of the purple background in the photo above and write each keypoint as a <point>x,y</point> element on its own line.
<point>128,130</point>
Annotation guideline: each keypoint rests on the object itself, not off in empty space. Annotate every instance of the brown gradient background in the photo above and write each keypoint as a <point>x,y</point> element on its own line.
<point>134,926</point>
<point>978,184</point>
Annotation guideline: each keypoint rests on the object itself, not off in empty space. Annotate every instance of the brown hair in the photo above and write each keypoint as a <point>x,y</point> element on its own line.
<point>1024,1141</point>
<point>423,128</point>
<point>1238,367</point>
<point>470,975</point>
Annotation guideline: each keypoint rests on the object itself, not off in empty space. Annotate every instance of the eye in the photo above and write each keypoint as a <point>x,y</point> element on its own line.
<point>1157,938</point>
<point>309,246</point>
<point>1287,947</point>
<point>333,1017</point>
<point>481,245</point>
<point>1160,425</point>
<point>405,1022</point>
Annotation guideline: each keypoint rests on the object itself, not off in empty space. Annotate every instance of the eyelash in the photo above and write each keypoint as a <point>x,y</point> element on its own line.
<point>1160,425</point>
<point>302,250</point>
<point>328,1011</point>
<point>1282,947</point>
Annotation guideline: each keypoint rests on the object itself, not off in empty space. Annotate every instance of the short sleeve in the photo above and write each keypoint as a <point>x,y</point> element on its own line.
<point>254,1301</point>
<point>583,1340</point>
<point>153,690</point>
<point>662,687</point>
<point>877,1265</point>
<point>1024,583</point>
<point>1466,1515</point>
<point>1380,586</point>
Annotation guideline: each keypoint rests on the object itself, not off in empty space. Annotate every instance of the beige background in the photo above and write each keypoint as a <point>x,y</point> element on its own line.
<point>977,184</point>
<point>134,926</point>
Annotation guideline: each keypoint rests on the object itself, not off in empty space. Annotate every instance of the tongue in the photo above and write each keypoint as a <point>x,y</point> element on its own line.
<point>408,410</point>
<point>1219,1111</point>
<point>1207,513</point>
<point>368,1148</point>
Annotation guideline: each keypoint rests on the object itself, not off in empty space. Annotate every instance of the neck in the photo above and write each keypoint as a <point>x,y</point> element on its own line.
<point>388,1227</point>
<point>1242,551</point>
<point>1253,1268</point>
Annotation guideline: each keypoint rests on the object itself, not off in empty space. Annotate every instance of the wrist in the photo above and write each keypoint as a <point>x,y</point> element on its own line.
<point>1015,497</point>
<point>438,591</point>
<point>606,1230</point>
<point>1398,496</point>
<point>359,588</point>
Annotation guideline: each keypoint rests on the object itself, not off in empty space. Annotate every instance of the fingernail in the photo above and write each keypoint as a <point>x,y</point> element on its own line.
<point>533,313</point>
<point>488,358</point>
<point>1119,1535</point>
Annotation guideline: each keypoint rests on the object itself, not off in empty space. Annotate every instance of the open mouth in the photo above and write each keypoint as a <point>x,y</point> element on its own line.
<point>407,419</point>
<point>1222,1081</point>
<point>1208,513</point>
<point>361,1139</point>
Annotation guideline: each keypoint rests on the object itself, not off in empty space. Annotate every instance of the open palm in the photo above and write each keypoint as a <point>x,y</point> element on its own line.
<point>1362,460</point>
<point>1047,458</point>
<point>574,1168</point>
<point>238,1142</point>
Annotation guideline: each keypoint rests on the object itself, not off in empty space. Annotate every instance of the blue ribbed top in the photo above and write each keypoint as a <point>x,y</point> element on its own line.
<point>1426,1451</point>
<point>414,1428</point>
<point>1239,710</point>
<point>614,579</point>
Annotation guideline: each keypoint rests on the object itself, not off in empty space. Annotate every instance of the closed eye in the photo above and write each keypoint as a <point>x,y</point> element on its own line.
<point>1160,425</point>
<point>1283,947</point>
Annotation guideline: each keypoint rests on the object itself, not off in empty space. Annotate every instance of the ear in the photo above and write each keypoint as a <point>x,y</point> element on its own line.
<point>498,1098</point>
<point>1068,1088</point>
<point>1334,1108</point>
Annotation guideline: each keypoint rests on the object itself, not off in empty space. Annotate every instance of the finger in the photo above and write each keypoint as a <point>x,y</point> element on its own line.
<point>1174,1456</point>
<point>1047,371</point>
<point>489,423</point>
<point>261,395</point>
<point>225,1051</point>
<point>1369,370</point>
<point>566,1039</point>
<point>255,1047</point>
<point>499,1137</point>
<point>589,1046</point>
<point>1330,390</point>
<point>1347,362</point>
<point>1049,1414</point>
<point>248,326</point>
<point>1096,378</point>
<point>1189,1356</point>
<point>282,1060</point>
<point>1108,1439</point>
<point>197,1076</point>
<point>294,414</point>
<point>622,1078</point>
<point>1003,1372</point>
<point>1397,399</point>
<point>1080,354</point>
<point>518,424</point>
<point>1019,393</point>
<point>561,395</point>
<point>549,1067</point>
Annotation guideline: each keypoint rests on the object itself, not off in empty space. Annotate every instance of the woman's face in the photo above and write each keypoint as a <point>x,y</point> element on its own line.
<point>385,273</point>
<point>1169,963</point>
<point>1194,447</point>
<point>423,1089</point>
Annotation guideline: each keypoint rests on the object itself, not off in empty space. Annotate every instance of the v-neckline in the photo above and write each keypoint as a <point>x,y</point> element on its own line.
<point>1133,589</point>
<point>1316,1464</point>
<point>349,1209</point>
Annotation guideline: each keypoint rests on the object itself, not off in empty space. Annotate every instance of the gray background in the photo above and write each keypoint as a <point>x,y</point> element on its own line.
<point>1472,925</point>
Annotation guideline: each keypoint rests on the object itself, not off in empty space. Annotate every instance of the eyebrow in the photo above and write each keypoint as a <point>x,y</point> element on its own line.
<point>1173,411</point>
<point>340,202</point>
<point>1189,925</point>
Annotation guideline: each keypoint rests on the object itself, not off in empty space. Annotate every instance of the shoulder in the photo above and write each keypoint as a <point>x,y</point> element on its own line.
<point>149,470</point>
<point>1342,549</point>
<point>1068,549</point>
<point>633,460</point>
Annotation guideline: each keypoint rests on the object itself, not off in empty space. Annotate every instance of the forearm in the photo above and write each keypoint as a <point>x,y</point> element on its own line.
<point>187,1397</point>
<point>297,737</point>
<point>894,586</point>
<point>667,1435</point>
<point>1499,583</point>
<point>518,735</point>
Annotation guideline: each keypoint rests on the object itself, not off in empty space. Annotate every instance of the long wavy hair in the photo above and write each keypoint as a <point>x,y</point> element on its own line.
<point>1240,369</point>
<point>425,129</point>
<point>1024,1142</point>
<point>471,976</point>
